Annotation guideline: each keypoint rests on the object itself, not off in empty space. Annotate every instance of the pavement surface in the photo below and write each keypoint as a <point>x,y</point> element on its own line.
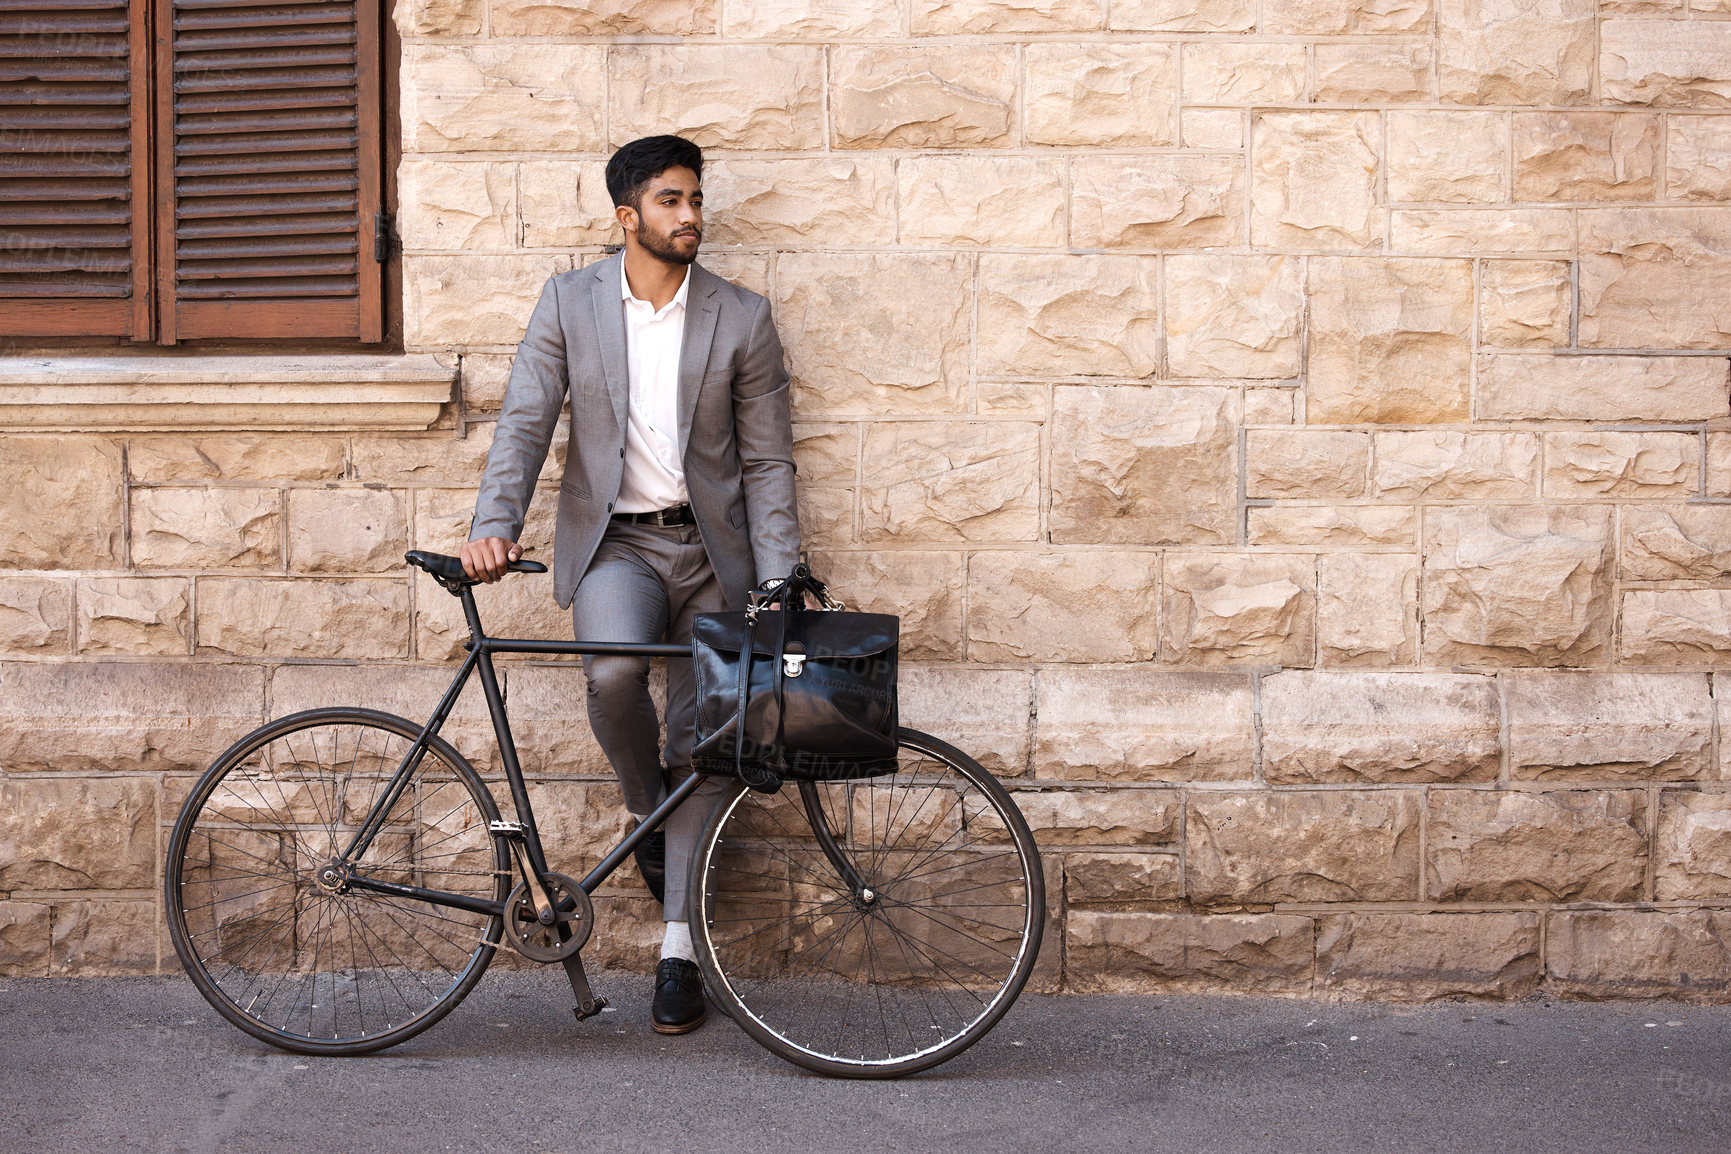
<point>142,1064</point>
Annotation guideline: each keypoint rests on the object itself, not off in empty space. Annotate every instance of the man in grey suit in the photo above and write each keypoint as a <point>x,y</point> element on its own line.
<point>677,497</point>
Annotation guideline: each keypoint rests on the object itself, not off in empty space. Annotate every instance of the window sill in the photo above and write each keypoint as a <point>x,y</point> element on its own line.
<point>79,393</point>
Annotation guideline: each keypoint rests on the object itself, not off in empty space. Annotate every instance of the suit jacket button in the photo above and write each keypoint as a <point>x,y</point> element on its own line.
<point>610,506</point>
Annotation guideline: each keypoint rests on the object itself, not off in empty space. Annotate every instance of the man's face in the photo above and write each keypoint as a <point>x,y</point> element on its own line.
<point>668,219</point>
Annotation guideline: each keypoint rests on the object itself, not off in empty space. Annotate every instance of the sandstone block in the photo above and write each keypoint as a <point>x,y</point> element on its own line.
<point>1599,726</point>
<point>79,478</point>
<point>1223,608</point>
<point>100,939</point>
<point>579,822</point>
<point>924,588</point>
<point>801,201</point>
<point>550,720</point>
<point>439,458</point>
<point>354,618</point>
<point>1602,388</point>
<point>1457,466</point>
<point>1133,952</point>
<point>748,270</point>
<point>347,530</point>
<point>1524,304</point>
<point>1142,466</point>
<point>503,97</point>
<point>205,528</point>
<point>961,17</point>
<point>23,940</point>
<point>1586,156</point>
<point>473,300</point>
<point>1182,15</point>
<point>1221,128</point>
<point>952,200</point>
<point>1516,51</point>
<point>1346,526</point>
<point>1125,817</point>
<point>35,615</point>
<point>1516,585</point>
<point>456,206</point>
<point>1217,72</point>
<point>1347,17</point>
<point>440,17</point>
<point>1558,846</point>
<point>1676,626</point>
<point>1144,725</point>
<point>827,515</point>
<point>1390,340</point>
<point>1621,464</point>
<point>1122,877</point>
<point>1665,63</point>
<point>1233,316</point>
<point>1379,728</point>
<point>832,310</point>
<point>443,516</point>
<point>813,19</point>
<point>937,97</point>
<point>1306,463</point>
<point>1314,180</point>
<point>1483,232</point>
<point>1272,406</point>
<point>234,457</point>
<point>1641,276</point>
<point>1694,847</point>
<point>1375,73</point>
<point>1676,543</point>
<point>1627,954</point>
<point>565,204</point>
<point>603,17</point>
<point>1091,607</point>
<point>1101,95</point>
<point>77,834</point>
<point>826,451</point>
<point>1420,957</point>
<point>1718,465</point>
<point>1154,203</point>
<point>952,481</point>
<point>1366,609</point>
<point>1067,316</point>
<point>520,607</point>
<point>1447,156</point>
<point>136,615</point>
<point>1302,847</point>
<point>718,96</point>
<point>983,711</point>
<point>409,691</point>
<point>1698,158</point>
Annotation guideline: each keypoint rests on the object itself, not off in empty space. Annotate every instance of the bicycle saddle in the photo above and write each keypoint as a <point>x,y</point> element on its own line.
<point>448,571</point>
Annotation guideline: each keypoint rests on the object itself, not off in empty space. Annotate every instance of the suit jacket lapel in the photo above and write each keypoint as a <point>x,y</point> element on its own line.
<point>606,291</point>
<point>700,316</point>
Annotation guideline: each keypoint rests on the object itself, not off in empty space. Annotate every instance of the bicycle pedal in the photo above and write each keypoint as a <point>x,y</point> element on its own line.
<point>508,828</point>
<point>589,1009</point>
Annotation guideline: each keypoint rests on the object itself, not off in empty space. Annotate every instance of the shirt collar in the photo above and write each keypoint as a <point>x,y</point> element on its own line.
<point>630,298</point>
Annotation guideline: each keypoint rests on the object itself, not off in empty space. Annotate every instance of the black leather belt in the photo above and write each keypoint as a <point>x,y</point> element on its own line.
<point>677,515</point>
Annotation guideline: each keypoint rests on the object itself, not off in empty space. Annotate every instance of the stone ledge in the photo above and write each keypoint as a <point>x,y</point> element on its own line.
<point>231,392</point>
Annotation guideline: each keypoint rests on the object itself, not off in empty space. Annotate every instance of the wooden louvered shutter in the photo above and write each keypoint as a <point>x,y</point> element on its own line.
<point>268,141</point>
<point>74,173</point>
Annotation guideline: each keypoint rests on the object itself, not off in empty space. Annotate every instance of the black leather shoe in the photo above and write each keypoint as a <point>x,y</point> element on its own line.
<point>678,1007</point>
<point>651,855</point>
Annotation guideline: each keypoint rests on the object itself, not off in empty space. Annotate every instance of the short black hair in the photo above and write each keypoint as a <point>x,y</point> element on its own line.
<point>641,161</point>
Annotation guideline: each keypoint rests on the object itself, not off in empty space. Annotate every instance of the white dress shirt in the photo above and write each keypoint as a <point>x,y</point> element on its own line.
<point>654,474</point>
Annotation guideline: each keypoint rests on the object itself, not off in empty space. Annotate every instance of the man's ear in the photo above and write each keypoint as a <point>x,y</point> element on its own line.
<point>626,216</point>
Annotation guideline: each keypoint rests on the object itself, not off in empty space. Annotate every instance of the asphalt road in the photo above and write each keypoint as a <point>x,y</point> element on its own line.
<point>144,1065</point>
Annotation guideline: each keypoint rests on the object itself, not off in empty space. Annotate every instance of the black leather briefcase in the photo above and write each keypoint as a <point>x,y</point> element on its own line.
<point>818,688</point>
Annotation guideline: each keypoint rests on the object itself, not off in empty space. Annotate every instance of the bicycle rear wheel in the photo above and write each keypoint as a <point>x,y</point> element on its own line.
<point>303,961</point>
<point>897,969</point>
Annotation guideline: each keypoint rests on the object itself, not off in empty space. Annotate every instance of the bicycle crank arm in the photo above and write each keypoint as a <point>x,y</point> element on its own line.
<point>513,833</point>
<point>588,1005</point>
<point>432,897</point>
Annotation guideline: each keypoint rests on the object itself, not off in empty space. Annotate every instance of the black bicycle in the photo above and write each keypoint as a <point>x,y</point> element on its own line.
<point>339,880</point>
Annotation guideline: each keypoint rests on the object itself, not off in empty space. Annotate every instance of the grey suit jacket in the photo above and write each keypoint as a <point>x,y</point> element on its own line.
<point>735,433</point>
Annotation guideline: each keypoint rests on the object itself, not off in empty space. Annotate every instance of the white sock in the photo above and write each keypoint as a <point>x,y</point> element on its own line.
<point>677,942</point>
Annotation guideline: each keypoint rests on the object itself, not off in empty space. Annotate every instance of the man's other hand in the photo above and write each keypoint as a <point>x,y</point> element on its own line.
<point>485,559</point>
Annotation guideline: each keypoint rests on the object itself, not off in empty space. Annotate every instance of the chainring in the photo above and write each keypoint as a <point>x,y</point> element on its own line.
<point>573,920</point>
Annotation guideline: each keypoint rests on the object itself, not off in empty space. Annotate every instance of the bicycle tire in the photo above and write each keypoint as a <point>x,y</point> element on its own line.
<point>299,965</point>
<point>931,950</point>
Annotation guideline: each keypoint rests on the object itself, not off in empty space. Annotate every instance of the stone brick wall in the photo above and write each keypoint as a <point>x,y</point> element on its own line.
<point>1294,433</point>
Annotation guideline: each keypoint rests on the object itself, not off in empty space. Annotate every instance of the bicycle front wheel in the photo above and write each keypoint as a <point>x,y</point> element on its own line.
<point>870,928</point>
<point>262,918</point>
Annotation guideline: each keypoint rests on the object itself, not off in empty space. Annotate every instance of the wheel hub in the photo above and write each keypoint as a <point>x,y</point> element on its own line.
<point>333,877</point>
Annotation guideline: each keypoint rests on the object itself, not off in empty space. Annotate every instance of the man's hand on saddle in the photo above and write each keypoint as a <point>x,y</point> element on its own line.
<point>486,558</point>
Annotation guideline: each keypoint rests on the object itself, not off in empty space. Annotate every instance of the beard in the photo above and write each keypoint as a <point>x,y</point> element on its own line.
<point>660,246</point>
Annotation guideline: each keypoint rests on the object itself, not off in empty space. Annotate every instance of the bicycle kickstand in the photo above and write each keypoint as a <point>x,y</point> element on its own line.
<point>588,1005</point>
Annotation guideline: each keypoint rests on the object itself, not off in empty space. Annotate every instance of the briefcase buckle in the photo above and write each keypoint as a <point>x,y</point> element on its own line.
<point>792,664</point>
